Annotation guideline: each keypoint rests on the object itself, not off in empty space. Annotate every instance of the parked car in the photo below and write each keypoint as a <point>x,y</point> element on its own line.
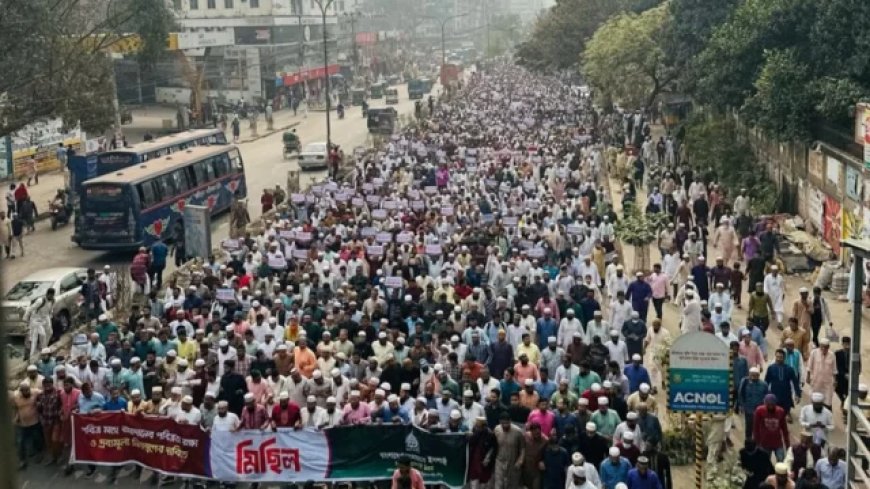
<point>67,283</point>
<point>314,156</point>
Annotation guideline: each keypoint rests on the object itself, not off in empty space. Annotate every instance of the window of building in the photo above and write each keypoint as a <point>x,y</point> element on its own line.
<point>194,4</point>
<point>255,3</point>
<point>228,3</point>
<point>211,4</point>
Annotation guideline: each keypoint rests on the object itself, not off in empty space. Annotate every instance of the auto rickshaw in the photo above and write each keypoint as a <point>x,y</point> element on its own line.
<point>392,96</point>
<point>382,120</point>
<point>376,90</point>
<point>357,96</point>
<point>291,143</point>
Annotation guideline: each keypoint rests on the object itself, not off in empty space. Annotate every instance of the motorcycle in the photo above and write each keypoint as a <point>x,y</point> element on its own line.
<point>60,214</point>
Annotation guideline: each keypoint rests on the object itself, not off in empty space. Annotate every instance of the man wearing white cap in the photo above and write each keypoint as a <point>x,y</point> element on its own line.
<point>567,327</point>
<point>225,420</point>
<point>470,409</point>
<point>620,311</point>
<point>774,286</point>
<point>188,414</point>
<point>614,470</point>
<point>382,349</point>
<point>821,369</point>
<point>818,419</point>
<point>617,348</point>
<point>314,416</point>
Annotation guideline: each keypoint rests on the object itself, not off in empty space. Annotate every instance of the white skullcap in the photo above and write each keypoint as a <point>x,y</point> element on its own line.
<point>636,357</point>
<point>754,370</point>
<point>283,396</point>
<point>644,387</point>
<point>386,387</point>
<point>382,335</point>
<point>46,351</point>
<point>392,398</point>
<point>354,393</point>
<point>187,400</point>
<point>547,310</point>
<point>631,415</point>
<point>603,400</point>
<point>380,392</point>
<point>614,452</point>
<point>172,353</point>
<point>331,400</point>
<point>596,387</point>
<point>628,436</point>
<point>583,401</point>
<point>249,397</point>
<point>529,382</point>
<point>176,391</point>
<point>577,458</point>
<point>817,397</point>
<point>316,374</point>
<point>590,426</point>
<point>199,362</point>
<point>311,399</point>
<point>468,393</point>
<point>607,384</point>
<point>862,387</point>
<point>335,372</point>
<point>455,414</point>
<point>551,339</point>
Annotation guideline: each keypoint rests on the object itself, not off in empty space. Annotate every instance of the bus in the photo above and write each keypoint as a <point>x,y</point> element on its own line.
<point>134,207</point>
<point>83,168</point>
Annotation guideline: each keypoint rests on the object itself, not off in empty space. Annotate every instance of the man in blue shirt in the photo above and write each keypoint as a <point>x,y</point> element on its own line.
<point>614,469</point>
<point>642,477</point>
<point>636,374</point>
<point>393,412</point>
<point>545,387</point>
<point>159,252</point>
<point>90,401</point>
<point>115,401</point>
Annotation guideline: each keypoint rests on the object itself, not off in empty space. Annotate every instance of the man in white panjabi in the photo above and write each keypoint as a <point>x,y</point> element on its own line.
<point>657,337</point>
<point>774,286</point>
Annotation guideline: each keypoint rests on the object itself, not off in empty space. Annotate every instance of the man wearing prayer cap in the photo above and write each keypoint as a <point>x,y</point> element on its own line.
<point>817,418</point>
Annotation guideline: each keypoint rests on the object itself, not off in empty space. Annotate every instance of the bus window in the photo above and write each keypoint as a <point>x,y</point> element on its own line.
<point>221,165</point>
<point>180,178</point>
<point>166,186</point>
<point>147,195</point>
<point>236,161</point>
<point>203,171</point>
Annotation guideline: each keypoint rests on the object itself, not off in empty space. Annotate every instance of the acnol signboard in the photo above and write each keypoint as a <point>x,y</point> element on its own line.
<point>698,378</point>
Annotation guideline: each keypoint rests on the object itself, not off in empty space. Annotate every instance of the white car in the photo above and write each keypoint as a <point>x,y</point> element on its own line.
<point>67,283</point>
<point>314,156</point>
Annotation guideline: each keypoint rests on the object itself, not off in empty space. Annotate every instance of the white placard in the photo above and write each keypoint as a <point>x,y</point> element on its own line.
<point>403,238</point>
<point>375,250</point>
<point>230,244</point>
<point>536,252</point>
<point>433,249</point>
<point>286,233</point>
<point>418,205</point>
<point>447,211</point>
<point>225,295</point>
<point>358,202</point>
<point>373,199</point>
<point>297,198</point>
<point>384,237</point>
<point>277,262</point>
<point>368,231</point>
<point>300,254</point>
<point>394,282</point>
<point>379,214</point>
<point>510,221</point>
<point>431,189</point>
<point>303,236</point>
<point>389,204</point>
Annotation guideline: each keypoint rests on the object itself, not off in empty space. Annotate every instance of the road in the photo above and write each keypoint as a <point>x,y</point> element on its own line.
<point>264,167</point>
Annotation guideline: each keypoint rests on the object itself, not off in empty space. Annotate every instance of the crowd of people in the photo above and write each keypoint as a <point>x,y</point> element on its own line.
<point>468,280</point>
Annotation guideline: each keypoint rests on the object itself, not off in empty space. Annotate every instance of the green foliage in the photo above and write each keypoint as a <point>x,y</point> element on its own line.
<point>783,101</point>
<point>560,35</point>
<point>625,61</point>
<point>692,24</point>
<point>503,33</point>
<point>55,57</point>
<point>639,229</point>
<point>713,145</point>
<point>787,63</point>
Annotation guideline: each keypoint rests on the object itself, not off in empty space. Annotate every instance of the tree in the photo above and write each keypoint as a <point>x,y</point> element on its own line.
<point>624,60</point>
<point>503,31</point>
<point>559,36</point>
<point>55,59</point>
<point>692,23</point>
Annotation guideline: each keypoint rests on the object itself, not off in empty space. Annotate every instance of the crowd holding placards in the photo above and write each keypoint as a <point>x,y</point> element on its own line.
<point>467,280</point>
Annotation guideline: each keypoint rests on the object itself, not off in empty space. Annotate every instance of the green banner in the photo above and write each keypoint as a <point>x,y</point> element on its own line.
<point>371,452</point>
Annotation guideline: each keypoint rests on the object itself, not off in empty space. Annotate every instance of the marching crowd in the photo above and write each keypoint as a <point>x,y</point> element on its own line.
<point>468,280</point>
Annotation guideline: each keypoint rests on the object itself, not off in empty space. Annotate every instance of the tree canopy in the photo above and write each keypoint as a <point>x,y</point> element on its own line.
<point>559,36</point>
<point>55,61</point>
<point>625,59</point>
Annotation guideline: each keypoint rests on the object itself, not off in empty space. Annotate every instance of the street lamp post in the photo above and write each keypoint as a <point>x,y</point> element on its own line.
<point>324,6</point>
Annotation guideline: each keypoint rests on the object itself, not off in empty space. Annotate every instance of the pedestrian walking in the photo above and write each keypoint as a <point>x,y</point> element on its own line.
<point>28,213</point>
<point>17,226</point>
<point>32,171</point>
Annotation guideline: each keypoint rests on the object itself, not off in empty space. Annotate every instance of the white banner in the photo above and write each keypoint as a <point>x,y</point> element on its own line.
<point>265,456</point>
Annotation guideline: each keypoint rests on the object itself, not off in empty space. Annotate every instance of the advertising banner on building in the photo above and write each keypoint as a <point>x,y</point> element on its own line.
<point>157,443</point>
<point>699,374</point>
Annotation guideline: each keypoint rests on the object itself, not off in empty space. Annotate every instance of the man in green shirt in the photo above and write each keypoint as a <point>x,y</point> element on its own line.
<point>105,327</point>
<point>585,380</point>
